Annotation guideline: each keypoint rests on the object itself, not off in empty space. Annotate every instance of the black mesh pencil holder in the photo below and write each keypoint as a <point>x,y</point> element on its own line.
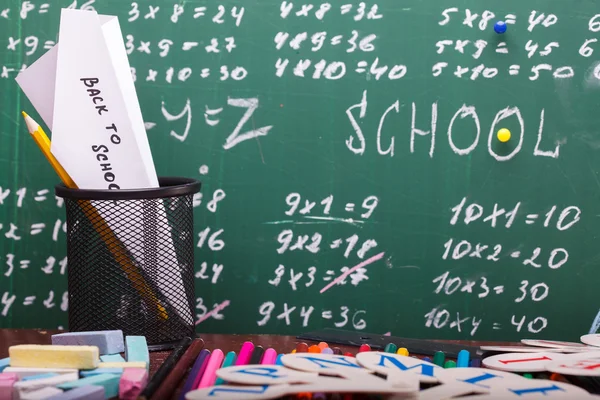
<point>131,260</point>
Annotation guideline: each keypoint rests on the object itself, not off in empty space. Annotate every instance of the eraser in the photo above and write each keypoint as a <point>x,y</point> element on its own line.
<point>27,386</point>
<point>5,362</point>
<point>135,364</point>
<point>40,394</point>
<point>112,358</point>
<point>89,392</point>
<point>108,342</point>
<point>109,382</point>
<point>136,349</point>
<point>133,381</point>
<point>23,372</point>
<point>39,376</point>
<point>7,380</point>
<point>98,371</point>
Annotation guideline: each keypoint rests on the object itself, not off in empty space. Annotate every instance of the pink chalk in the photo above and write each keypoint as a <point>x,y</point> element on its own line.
<point>269,357</point>
<point>132,382</point>
<point>214,363</point>
<point>7,380</point>
<point>245,354</point>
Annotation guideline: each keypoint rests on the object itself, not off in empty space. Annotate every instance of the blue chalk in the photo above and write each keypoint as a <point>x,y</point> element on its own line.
<point>427,359</point>
<point>463,359</point>
<point>98,371</point>
<point>112,358</point>
<point>5,362</point>
<point>90,392</point>
<point>136,349</point>
<point>475,363</point>
<point>39,376</point>
<point>108,342</point>
<point>110,382</point>
<point>500,27</point>
<point>278,360</point>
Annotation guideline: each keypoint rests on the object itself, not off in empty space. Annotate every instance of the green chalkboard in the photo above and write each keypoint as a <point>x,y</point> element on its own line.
<point>345,139</point>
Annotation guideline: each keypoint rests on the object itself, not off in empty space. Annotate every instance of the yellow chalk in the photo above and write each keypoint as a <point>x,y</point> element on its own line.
<point>131,364</point>
<point>402,351</point>
<point>51,356</point>
<point>503,135</point>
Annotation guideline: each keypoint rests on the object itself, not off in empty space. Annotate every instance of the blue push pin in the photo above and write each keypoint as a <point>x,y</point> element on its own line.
<point>500,27</point>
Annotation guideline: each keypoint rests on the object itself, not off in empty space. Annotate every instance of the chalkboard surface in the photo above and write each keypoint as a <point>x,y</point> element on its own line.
<point>352,176</point>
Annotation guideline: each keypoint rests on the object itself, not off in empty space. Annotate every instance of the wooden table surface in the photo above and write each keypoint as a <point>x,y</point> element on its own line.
<point>282,344</point>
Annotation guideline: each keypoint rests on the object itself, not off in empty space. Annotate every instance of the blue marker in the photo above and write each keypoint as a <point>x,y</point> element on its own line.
<point>278,360</point>
<point>500,27</point>
<point>427,359</point>
<point>475,363</point>
<point>463,359</point>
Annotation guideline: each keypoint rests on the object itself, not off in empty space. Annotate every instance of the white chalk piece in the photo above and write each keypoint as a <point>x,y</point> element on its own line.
<point>28,386</point>
<point>523,349</point>
<point>593,339</point>
<point>23,372</point>
<point>382,363</point>
<point>264,375</point>
<point>522,362</point>
<point>581,367</point>
<point>555,344</point>
<point>40,394</point>
<point>89,392</point>
<point>108,342</point>
<point>482,378</point>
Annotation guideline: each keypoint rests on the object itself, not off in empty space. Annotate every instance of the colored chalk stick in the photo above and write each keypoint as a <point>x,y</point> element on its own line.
<point>22,372</point>
<point>301,348</point>
<point>127,364</point>
<point>348,354</point>
<point>109,382</point>
<point>475,363</point>
<point>463,359</point>
<point>450,364</point>
<point>50,356</point>
<point>212,365</point>
<point>427,359</point>
<point>132,382</point>
<point>136,349</point>
<point>403,351</point>
<point>108,342</point>
<point>438,358</point>
<point>257,354</point>
<point>245,353</point>
<point>322,345</point>
<point>390,348</point>
<point>364,347</point>
<point>527,376</point>
<point>39,376</point>
<point>112,358</point>
<point>60,379</point>
<point>5,362</point>
<point>40,394</point>
<point>229,361</point>
<point>326,350</point>
<point>278,360</point>
<point>269,357</point>
<point>195,374</point>
<point>337,350</point>
<point>90,392</point>
<point>314,349</point>
<point>7,381</point>
<point>98,371</point>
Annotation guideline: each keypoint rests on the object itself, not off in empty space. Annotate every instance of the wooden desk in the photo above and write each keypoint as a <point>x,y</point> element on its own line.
<point>282,344</point>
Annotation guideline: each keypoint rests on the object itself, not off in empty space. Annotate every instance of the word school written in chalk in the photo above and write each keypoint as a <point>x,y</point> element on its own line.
<point>425,124</point>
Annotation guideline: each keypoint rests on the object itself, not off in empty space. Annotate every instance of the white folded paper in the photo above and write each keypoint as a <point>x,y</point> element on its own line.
<point>83,90</point>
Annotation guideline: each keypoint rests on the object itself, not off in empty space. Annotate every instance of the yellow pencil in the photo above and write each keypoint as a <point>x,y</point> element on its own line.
<point>113,243</point>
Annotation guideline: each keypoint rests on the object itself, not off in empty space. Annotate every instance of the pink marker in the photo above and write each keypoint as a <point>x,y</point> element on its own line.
<point>269,357</point>
<point>245,354</point>
<point>214,363</point>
